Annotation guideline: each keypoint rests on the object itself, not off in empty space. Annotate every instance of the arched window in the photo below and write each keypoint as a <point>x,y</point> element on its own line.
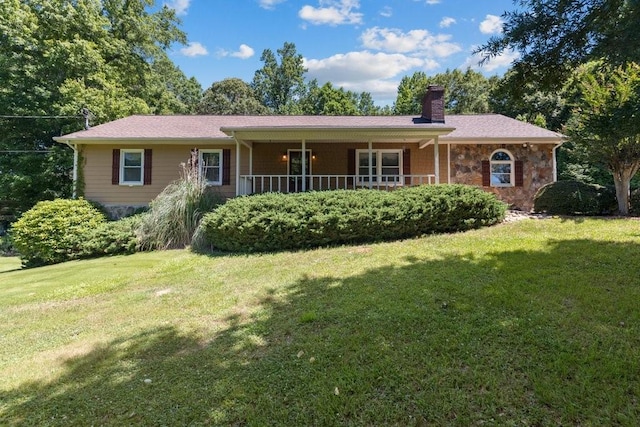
<point>502,169</point>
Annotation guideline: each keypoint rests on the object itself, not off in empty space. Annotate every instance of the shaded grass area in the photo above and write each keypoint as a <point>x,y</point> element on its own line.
<point>528,323</point>
<point>9,263</point>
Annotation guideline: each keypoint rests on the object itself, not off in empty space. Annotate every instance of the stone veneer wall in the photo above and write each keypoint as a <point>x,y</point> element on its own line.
<point>466,168</point>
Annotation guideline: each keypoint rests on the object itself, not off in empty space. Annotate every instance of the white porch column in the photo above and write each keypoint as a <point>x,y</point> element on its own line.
<point>436,159</point>
<point>304,165</point>
<point>370,164</point>
<point>237,167</point>
<point>448,163</point>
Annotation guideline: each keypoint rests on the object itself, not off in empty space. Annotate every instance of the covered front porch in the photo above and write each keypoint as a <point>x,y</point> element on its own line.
<point>288,167</point>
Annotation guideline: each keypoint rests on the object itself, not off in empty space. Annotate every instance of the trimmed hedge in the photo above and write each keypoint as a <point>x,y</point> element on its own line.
<point>112,238</point>
<point>575,198</point>
<point>54,230</point>
<point>273,221</point>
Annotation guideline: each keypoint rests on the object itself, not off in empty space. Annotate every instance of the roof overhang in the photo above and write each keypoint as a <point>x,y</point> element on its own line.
<point>523,140</point>
<point>138,141</point>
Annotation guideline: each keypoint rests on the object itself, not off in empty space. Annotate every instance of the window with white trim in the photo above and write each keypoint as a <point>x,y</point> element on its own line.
<point>502,169</point>
<point>131,167</point>
<point>386,165</point>
<point>211,166</point>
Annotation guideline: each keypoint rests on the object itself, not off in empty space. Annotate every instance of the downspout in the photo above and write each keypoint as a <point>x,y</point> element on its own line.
<point>448,163</point>
<point>555,162</point>
<point>74,147</point>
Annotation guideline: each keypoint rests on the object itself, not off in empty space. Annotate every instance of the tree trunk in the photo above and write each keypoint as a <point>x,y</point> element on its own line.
<point>622,181</point>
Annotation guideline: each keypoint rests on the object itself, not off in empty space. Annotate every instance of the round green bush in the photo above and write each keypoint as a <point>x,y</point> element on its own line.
<point>54,230</point>
<point>273,221</point>
<point>574,198</point>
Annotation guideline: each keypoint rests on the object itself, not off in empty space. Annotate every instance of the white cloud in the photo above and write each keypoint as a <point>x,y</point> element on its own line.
<point>420,42</point>
<point>492,24</point>
<point>332,12</point>
<point>244,52</point>
<point>180,6</point>
<point>504,60</point>
<point>446,22</point>
<point>269,4</point>
<point>433,1</point>
<point>194,49</point>
<point>364,71</point>
<point>386,12</point>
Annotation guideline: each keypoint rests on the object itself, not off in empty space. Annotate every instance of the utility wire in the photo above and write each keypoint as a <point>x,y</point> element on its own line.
<point>39,117</point>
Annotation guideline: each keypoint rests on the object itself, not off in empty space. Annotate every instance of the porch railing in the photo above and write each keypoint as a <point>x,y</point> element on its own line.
<point>250,184</point>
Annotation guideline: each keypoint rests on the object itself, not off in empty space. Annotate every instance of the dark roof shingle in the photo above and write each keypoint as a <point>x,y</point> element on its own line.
<point>481,126</point>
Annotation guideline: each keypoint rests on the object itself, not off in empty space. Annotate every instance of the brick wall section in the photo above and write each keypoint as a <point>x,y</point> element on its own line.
<point>537,160</point>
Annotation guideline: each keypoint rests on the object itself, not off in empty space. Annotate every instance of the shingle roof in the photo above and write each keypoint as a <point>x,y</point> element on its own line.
<point>482,126</point>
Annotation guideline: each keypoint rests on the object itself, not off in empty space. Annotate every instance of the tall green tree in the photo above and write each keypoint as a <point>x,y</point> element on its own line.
<point>555,36</point>
<point>532,104</point>
<point>606,122</point>
<point>279,85</point>
<point>466,92</point>
<point>328,100</point>
<point>230,96</point>
<point>58,57</point>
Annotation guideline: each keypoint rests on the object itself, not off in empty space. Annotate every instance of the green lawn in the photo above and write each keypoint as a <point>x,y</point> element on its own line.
<point>535,322</point>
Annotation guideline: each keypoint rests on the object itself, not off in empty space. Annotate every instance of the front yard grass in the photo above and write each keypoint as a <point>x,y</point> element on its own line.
<point>535,322</point>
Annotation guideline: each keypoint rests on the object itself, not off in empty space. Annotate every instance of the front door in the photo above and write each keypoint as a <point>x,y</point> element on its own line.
<point>295,170</point>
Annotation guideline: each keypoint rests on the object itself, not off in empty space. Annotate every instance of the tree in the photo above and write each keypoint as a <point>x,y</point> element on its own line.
<point>555,36</point>
<point>280,85</point>
<point>465,92</point>
<point>169,90</point>
<point>605,123</point>
<point>327,100</point>
<point>530,103</point>
<point>58,57</point>
<point>230,96</point>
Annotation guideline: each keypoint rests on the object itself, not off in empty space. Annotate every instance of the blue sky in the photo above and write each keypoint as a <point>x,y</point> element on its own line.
<point>361,45</point>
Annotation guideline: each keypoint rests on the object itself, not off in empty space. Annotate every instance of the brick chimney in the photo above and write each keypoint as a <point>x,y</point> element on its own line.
<point>433,105</point>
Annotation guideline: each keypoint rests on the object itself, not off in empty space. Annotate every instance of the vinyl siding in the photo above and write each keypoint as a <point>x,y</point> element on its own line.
<point>167,159</point>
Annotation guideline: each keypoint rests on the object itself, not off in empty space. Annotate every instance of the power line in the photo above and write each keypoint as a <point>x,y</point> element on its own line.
<point>23,151</point>
<point>39,117</point>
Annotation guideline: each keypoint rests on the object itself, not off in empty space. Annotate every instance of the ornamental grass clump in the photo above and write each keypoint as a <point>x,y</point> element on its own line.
<point>176,212</point>
<point>273,222</point>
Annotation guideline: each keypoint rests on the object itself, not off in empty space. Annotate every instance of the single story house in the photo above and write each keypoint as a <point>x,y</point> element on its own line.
<point>124,164</point>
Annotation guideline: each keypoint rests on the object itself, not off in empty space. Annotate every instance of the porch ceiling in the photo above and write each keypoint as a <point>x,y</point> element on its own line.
<point>336,135</point>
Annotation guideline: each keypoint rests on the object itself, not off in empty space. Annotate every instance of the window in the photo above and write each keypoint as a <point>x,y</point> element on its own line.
<point>131,167</point>
<point>501,164</point>
<point>211,166</point>
<point>386,165</point>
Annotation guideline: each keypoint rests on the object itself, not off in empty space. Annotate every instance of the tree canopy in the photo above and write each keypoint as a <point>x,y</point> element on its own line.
<point>605,121</point>
<point>465,92</point>
<point>58,57</point>
<point>278,85</point>
<point>555,36</point>
<point>230,96</point>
